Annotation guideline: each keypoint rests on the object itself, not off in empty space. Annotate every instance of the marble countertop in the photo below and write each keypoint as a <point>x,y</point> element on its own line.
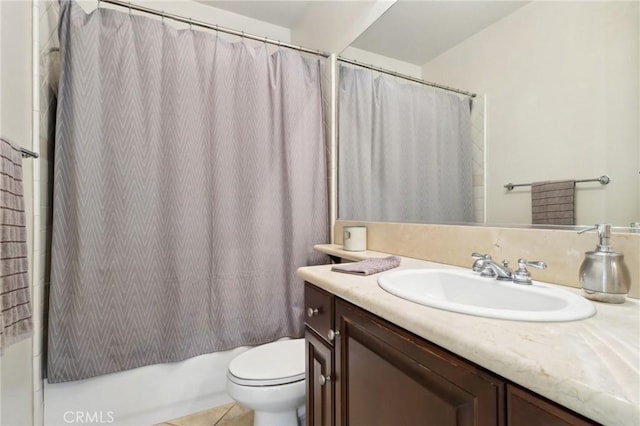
<point>590,366</point>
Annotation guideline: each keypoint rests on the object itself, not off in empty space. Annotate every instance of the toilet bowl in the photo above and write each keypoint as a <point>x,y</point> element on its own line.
<point>270,379</point>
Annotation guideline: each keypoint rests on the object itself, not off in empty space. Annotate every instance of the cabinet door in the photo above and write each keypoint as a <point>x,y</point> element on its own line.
<point>528,409</point>
<point>387,376</point>
<point>318,310</point>
<point>319,381</point>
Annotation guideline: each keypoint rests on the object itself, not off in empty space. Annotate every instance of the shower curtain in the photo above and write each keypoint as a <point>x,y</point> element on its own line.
<point>190,184</point>
<point>404,152</point>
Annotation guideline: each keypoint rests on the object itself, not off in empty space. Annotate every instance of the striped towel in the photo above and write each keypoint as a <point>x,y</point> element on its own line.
<point>15,306</point>
<point>552,203</point>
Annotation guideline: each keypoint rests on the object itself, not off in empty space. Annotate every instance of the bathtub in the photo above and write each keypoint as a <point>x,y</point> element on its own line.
<point>142,396</point>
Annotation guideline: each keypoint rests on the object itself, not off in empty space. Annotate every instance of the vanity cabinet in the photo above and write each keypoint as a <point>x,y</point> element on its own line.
<point>320,391</point>
<point>319,307</point>
<point>387,376</point>
<point>525,408</point>
<point>363,370</point>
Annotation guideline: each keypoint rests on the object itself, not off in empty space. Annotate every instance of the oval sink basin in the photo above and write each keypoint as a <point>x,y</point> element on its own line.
<point>468,293</point>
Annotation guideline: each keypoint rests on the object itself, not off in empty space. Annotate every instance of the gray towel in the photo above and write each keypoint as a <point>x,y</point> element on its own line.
<point>552,203</point>
<point>368,266</point>
<point>15,306</point>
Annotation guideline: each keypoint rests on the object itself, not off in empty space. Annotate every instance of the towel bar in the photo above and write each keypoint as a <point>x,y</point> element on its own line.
<point>28,154</point>
<point>604,180</point>
<point>25,152</point>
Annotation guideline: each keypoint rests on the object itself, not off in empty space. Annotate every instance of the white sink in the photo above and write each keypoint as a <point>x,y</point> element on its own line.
<point>468,293</point>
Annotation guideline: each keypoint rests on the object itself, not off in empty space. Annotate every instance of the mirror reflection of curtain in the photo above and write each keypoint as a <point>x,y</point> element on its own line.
<point>405,152</point>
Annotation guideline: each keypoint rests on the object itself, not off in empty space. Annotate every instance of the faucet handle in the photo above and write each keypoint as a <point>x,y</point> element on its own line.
<point>522,275</point>
<point>523,263</point>
<point>477,255</point>
<point>479,262</point>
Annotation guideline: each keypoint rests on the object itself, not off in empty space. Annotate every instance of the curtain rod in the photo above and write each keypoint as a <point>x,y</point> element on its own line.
<point>406,77</point>
<point>206,25</point>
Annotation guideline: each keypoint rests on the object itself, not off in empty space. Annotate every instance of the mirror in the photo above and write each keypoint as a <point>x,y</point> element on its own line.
<point>558,91</point>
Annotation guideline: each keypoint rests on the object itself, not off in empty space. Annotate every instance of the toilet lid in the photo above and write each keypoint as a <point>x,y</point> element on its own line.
<point>271,364</point>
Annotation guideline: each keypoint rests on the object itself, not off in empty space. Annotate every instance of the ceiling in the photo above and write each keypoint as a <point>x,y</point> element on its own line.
<point>418,31</point>
<point>410,31</point>
<point>284,13</point>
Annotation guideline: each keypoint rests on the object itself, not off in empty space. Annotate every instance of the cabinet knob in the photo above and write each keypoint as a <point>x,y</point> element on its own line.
<point>324,379</point>
<point>332,334</point>
<point>311,312</point>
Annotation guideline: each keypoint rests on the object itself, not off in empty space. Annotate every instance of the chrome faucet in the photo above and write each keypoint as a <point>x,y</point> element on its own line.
<point>485,265</point>
<point>488,268</point>
<point>493,270</point>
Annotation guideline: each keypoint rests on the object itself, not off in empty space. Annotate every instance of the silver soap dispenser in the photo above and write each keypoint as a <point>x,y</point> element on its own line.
<point>603,274</point>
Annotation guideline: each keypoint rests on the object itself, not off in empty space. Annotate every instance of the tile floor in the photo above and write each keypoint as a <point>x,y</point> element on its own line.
<point>232,414</point>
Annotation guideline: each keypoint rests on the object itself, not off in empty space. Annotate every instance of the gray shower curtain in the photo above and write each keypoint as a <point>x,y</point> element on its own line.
<point>404,151</point>
<point>190,184</point>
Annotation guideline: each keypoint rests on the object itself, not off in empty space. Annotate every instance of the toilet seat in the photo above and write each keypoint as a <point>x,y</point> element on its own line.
<point>272,364</point>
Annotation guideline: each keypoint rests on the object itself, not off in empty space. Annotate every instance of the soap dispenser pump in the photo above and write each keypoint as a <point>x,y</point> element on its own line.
<point>604,276</point>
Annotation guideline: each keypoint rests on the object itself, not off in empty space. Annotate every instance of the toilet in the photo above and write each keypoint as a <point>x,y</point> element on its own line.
<point>270,379</point>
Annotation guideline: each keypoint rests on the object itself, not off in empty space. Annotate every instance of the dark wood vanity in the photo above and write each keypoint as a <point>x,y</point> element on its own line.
<point>363,371</point>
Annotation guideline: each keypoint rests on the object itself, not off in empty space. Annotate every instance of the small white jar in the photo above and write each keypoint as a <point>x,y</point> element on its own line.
<point>354,238</point>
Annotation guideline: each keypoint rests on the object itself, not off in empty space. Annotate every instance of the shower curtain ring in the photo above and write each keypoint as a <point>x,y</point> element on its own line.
<point>163,16</point>
<point>129,7</point>
<point>190,23</point>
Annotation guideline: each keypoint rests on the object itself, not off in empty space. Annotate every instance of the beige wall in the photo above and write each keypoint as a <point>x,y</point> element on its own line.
<point>15,123</point>
<point>562,250</point>
<point>563,102</point>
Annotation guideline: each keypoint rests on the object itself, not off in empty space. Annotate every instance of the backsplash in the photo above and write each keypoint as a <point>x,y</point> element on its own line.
<point>562,250</point>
